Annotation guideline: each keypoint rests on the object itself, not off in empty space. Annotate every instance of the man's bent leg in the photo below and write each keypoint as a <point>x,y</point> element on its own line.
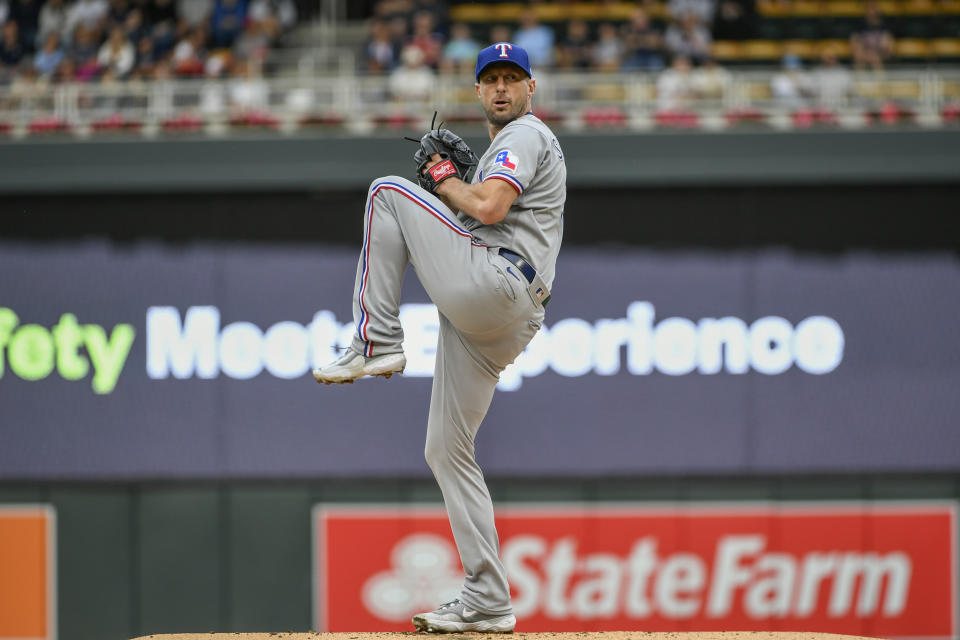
<point>376,348</point>
<point>462,391</point>
<point>403,222</point>
<point>376,293</point>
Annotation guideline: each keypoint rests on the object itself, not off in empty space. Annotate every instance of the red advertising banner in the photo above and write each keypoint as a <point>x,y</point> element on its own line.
<point>886,569</point>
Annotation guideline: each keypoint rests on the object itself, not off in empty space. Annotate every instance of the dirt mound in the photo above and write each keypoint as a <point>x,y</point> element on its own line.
<point>582,635</point>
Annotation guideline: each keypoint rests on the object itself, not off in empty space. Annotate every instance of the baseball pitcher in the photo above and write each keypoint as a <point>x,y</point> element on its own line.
<point>483,236</point>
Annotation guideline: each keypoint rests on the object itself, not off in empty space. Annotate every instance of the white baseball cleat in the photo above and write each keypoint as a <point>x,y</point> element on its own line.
<point>456,617</point>
<point>352,365</point>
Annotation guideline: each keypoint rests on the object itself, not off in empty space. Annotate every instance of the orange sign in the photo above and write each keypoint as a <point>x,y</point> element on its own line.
<point>27,573</point>
<point>875,569</point>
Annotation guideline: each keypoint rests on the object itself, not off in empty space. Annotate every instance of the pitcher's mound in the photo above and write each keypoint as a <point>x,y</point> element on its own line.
<point>582,635</point>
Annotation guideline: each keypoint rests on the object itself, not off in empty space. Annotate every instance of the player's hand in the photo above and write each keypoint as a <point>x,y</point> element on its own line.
<point>434,159</point>
<point>443,155</point>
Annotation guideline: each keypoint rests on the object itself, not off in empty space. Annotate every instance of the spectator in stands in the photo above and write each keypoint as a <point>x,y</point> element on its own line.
<point>711,81</point>
<point>134,27</point>
<point>26,13</point>
<point>11,51</point>
<point>413,80</point>
<point>66,72</point>
<point>284,12</point>
<point>164,24</point>
<point>460,52</point>
<point>675,90</point>
<point>734,20</point>
<point>53,17</point>
<point>536,38</point>
<point>50,55</point>
<point>399,32</point>
<point>274,17</point>
<point>254,43</point>
<point>500,33</point>
<point>702,9</point>
<point>689,38</point>
<point>791,87</point>
<point>146,57</point>
<point>83,52</point>
<point>229,17</point>
<point>576,48</point>
<point>608,51</point>
<point>426,38</point>
<point>644,46</point>
<point>872,43</point>
<point>90,14</point>
<point>194,13</point>
<point>117,54</point>
<point>437,8</point>
<point>218,63</point>
<point>117,13</point>
<point>381,52</point>
<point>189,53</point>
<point>831,79</point>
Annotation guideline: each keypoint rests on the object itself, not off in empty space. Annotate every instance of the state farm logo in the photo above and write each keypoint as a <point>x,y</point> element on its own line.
<point>554,581</point>
<point>425,573</point>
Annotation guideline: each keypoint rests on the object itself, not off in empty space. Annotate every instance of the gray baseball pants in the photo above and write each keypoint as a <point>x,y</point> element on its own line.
<point>486,320</point>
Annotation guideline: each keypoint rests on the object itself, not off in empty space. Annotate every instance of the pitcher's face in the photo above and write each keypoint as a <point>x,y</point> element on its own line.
<point>505,91</point>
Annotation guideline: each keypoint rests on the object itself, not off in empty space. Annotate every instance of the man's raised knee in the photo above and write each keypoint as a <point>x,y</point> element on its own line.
<point>435,453</point>
<point>393,180</point>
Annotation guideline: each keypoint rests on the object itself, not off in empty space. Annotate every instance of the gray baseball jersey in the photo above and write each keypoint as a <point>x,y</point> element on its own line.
<point>526,155</point>
<point>488,315</point>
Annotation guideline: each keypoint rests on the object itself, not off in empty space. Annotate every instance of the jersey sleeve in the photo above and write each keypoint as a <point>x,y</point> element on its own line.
<point>514,157</point>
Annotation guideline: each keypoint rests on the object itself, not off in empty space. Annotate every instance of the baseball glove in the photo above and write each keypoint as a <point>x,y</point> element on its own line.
<point>457,158</point>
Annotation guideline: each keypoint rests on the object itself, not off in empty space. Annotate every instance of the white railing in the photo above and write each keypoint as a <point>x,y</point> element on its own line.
<point>359,104</point>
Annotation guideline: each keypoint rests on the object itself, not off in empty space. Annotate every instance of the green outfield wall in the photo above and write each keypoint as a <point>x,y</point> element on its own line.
<point>137,559</point>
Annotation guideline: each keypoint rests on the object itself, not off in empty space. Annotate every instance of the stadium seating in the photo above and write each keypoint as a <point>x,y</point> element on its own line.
<point>346,98</point>
<point>926,30</point>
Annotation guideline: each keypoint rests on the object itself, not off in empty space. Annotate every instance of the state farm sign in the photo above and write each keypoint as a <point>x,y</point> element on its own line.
<point>879,569</point>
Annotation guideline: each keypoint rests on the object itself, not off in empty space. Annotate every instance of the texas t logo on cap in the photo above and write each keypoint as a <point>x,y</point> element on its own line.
<point>503,52</point>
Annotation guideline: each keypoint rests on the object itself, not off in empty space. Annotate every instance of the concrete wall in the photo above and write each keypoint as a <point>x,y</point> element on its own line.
<point>600,160</point>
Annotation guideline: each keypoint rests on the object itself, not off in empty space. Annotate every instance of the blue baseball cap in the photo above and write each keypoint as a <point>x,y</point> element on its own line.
<point>503,52</point>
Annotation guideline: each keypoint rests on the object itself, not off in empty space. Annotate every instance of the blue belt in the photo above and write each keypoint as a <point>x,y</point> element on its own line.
<point>525,268</point>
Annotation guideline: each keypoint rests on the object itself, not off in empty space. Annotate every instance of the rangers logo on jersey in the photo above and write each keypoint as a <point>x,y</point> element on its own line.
<point>506,160</point>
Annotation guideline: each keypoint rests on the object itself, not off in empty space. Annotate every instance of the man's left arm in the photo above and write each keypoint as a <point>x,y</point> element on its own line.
<point>511,164</point>
<point>487,202</point>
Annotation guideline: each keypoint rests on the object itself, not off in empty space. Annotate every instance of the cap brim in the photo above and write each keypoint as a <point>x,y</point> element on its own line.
<point>493,62</point>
